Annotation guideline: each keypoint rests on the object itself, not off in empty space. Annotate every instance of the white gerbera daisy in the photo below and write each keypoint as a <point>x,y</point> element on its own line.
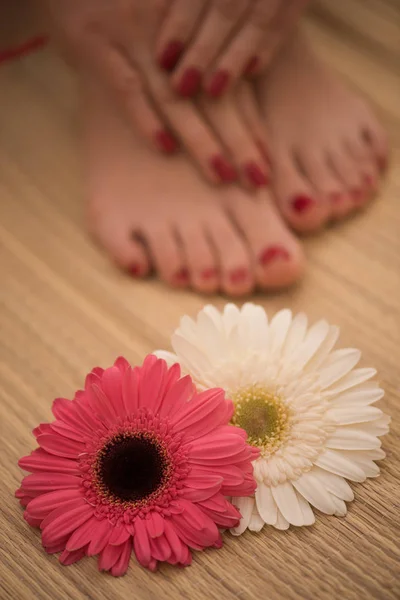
<point>306,407</point>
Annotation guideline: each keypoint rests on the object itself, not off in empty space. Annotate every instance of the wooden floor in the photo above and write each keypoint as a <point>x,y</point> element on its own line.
<point>65,308</point>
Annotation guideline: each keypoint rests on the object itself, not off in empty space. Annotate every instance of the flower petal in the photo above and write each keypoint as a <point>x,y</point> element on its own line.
<point>155,525</point>
<point>245,505</point>
<point>60,446</point>
<point>313,490</point>
<point>65,523</point>
<point>41,461</point>
<point>121,565</point>
<point>266,504</point>
<point>46,482</point>
<point>286,501</point>
<point>141,542</point>
<point>336,463</point>
<point>43,505</point>
<point>346,438</point>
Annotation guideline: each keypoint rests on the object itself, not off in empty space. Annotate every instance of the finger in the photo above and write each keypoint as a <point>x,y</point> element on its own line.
<point>128,87</point>
<point>176,30</point>
<point>236,137</point>
<point>209,40</point>
<point>250,112</point>
<point>242,48</point>
<point>193,131</point>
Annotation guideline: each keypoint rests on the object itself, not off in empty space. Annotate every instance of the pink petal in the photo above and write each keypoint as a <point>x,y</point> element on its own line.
<point>216,445</point>
<point>141,543</point>
<point>160,548</point>
<point>111,384</point>
<point>199,489</point>
<point>232,475</point>
<point>217,503</point>
<point>40,460</point>
<point>122,364</point>
<point>226,520</point>
<point>150,385</point>
<point>68,558</point>
<point>56,548</point>
<point>82,535</point>
<point>42,505</point>
<point>209,406</point>
<point>65,523</point>
<point>100,537</point>
<point>60,446</point>
<point>73,433</point>
<point>177,396</point>
<point>66,411</point>
<point>32,521</point>
<point>121,566</point>
<point>119,535</point>
<point>154,524</point>
<point>103,406</point>
<point>48,482</point>
<point>130,390</point>
<point>109,557</point>
<point>42,428</point>
<point>177,547</point>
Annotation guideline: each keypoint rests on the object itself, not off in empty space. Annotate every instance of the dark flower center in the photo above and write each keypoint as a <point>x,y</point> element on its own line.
<point>131,467</point>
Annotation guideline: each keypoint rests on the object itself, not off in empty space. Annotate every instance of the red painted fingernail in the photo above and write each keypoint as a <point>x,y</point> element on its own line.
<point>255,174</point>
<point>239,275</point>
<point>190,82</point>
<point>273,253</point>
<point>252,65</point>
<point>302,203</point>
<point>166,142</point>
<point>181,276</point>
<point>218,83</point>
<point>135,270</point>
<point>171,54</point>
<point>210,273</point>
<point>225,171</point>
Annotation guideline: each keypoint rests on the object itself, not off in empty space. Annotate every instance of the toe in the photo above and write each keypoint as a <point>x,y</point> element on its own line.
<point>236,270</point>
<point>200,258</point>
<point>376,139</point>
<point>277,255</point>
<point>298,202</point>
<point>167,255</point>
<point>347,168</point>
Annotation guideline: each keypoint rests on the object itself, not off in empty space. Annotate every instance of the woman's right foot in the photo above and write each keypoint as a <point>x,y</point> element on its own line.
<point>155,212</point>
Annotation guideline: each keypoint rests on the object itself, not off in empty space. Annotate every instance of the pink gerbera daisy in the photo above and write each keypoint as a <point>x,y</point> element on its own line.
<point>138,460</point>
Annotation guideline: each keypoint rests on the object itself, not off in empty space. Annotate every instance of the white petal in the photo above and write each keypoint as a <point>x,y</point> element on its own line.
<point>336,463</point>
<point>363,395</point>
<point>189,354</point>
<point>256,522</point>
<point>169,357</point>
<point>337,365</point>
<point>230,317</point>
<point>351,380</point>
<point>245,505</point>
<point>215,315</point>
<point>286,500</point>
<point>254,326</point>
<point>346,438</point>
<point>313,340</point>
<point>354,414</point>
<point>324,349</point>
<point>309,486</point>
<point>266,504</point>
<point>340,506</point>
<point>365,463</point>
<point>281,522</point>
<point>295,335</point>
<point>278,329</point>
<point>308,514</point>
<point>379,427</point>
<point>335,484</point>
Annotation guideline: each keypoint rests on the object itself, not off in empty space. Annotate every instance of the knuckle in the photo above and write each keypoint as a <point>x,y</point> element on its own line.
<point>128,83</point>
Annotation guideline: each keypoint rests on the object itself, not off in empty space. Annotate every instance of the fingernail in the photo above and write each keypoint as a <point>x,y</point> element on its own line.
<point>170,55</point>
<point>208,274</point>
<point>255,174</point>
<point>166,142</point>
<point>252,65</point>
<point>218,83</point>
<point>302,203</point>
<point>190,82</point>
<point>273,253</point>
<point>181,276</point>
<point>135,269</point>
<point>225,171</point>
<point>238,275</point>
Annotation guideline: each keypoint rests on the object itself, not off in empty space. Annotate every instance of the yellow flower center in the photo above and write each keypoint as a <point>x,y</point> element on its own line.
<point>263,415</point>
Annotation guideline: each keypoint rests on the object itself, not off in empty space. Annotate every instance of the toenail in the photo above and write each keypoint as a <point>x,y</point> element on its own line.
<point>190,82</point>
<point>170,56</point>
<point>273,253</point>
<point>208,274</point>
<point>302,203</point>
<point>166,142</point>
<point>181,276</point>
<point>252,65</point>
<point>254,174</point>
<point>135,270</point>
<point>218,84</point>
<point>239,275</point>
<point>225,171</point>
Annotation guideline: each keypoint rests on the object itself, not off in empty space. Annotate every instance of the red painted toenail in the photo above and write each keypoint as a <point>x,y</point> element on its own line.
<point>218,83</point>
<point>190,82</point>
<point>239,275</point>
<point>273,253</point>
<point>135,270</point>
<point>302,203</point>
<point>166,142</point>
<point>181,276</point>
<point>252,65</point>
<point>225,171</point>
<point>171,55</point>
<point>210,273</point>
<point>254,174</point>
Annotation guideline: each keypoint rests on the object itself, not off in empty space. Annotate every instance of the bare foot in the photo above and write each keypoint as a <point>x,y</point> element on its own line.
<point>155,212</point>
<point>327,148</point>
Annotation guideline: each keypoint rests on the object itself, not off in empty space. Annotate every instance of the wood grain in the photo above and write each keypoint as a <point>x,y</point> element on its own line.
<point>64,309</point>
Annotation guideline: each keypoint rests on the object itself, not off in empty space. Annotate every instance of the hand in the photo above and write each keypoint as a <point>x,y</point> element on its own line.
<point>115,39</point>
<point>211,44</point>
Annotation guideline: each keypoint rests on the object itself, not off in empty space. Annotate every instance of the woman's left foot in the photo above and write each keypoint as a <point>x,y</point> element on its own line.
<point>327,148</point>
